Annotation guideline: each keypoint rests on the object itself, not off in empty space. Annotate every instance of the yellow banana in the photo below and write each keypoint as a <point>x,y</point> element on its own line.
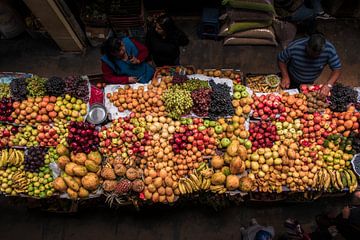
<point>315,180</point>
<point>338,180</point>
<point>333,180</point>
<point>195,180</point>
<point>182,188</point>
<point>188,186</point>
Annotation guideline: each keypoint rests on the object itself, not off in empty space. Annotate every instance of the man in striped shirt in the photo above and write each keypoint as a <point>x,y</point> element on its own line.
<point>304,59</point>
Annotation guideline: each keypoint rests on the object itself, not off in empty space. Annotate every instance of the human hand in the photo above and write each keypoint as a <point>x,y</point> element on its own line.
<point>133,80</point>
<point>134,60</point>
<point>285,82</point>
<point>346,212</point>
<point>325,90</point>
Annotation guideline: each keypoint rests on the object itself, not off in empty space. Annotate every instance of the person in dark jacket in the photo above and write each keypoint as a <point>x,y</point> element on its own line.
<point>123,61</point>
<point>164,40</point>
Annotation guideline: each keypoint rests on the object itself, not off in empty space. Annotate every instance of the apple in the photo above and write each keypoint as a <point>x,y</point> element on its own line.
<point>218,129</point>
<point>248,144</point>
<point>207,122</point>
<point>225,142</point>
<point>237,95</point>
<point>244,94</point>
<point>239,88</point>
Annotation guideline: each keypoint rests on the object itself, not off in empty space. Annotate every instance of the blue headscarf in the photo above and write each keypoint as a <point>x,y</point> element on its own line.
<point>142,71</point>
<point>263,235</point>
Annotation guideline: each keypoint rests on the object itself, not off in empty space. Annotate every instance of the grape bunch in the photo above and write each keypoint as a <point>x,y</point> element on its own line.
<point>201,99</point>
<point>177,102</point>
<point>341,96</point>
<point>6,108</point>
<point>34,158</point>
<point>179,78</point>
<point>18,89</point>
<point>4,90</point>
<point>36,86</point>
<point>193,84</point>
<point>220,105</point>
<point>55,86</point>
<point>77,87</point>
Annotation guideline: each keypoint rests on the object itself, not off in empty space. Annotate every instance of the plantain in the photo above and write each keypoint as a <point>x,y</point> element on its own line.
<point>327,180</point>
<point>188,187</point>
<point>193,185</point>
<point>338,180</point>
<point>182,188</point>
<point>344,180</point>
<point>353,177</point>
<point>201,167</point>
<point>315,180</point>
<point>348,178</point>
<point>333,180</point>
<point>195,180</point>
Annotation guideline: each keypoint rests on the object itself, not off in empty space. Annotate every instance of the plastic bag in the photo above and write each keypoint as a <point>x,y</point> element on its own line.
<point>97,95</point>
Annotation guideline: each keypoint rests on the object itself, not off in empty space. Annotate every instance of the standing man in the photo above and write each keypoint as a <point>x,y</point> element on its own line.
<point>304,59</point>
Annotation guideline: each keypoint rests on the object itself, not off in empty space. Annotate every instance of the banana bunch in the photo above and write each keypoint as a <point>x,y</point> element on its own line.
<point>12,157</point>
<point>198,180</point>
<point>324,179</point>
<point>20,182</point>
<point>219,189</point>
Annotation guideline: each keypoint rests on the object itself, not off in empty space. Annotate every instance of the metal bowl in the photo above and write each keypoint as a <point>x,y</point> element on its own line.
<point>97,114</point>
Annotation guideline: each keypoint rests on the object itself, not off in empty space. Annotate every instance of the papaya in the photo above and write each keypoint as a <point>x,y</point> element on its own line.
<point>71,183</point>
<point>69,168</point>
<point>72,194</point>
<point>59,184</point>
<point>232,149</point>
<point>91,166</point>
<point>79,171</point>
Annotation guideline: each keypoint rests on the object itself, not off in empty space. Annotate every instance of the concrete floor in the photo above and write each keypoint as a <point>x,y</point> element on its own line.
<point>43,57</point>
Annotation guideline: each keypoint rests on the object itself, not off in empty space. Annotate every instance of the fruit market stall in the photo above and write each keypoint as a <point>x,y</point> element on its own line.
<point>185,135</point>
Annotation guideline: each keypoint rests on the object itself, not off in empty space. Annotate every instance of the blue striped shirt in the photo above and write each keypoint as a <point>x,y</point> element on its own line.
<point>304,69</point>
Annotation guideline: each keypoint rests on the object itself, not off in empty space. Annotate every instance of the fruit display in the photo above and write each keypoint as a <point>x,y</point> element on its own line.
<point>6,109</point>
<point>263,83</point>
<point>158,151</point>
<point>82,137</point>
<point>47,109</point>
<point>268,107</point>
<point>140,101</point>
<point>79,176</point>
<point>316,102</point>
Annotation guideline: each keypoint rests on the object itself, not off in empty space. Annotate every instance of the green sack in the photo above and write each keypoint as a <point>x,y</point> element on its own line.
<point>241,26</point>
<point>264,7</point>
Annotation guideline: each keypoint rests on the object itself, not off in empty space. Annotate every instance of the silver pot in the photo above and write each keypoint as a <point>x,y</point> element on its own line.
<point>97,114</point>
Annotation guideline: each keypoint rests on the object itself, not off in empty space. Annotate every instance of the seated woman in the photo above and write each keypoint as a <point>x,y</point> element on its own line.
<point>123,61</point>
<point>164,39</point>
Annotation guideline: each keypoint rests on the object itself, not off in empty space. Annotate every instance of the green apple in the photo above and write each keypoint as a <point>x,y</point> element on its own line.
<point>242,141</point>
<point>200,128</point>
<point>218,129</point>
<point>244,94</point>
<point>225,142</point>
<point>189,121</point>
<point>237,95</point>
<point>239,88</point>
<point>248,144</point>
<point>212,123</point>
<point>207,122</point>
